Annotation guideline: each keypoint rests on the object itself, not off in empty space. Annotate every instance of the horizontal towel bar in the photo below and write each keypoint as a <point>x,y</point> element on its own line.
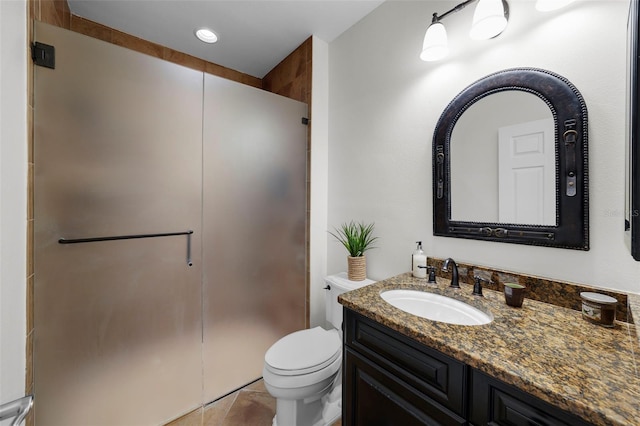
<point>121,237</point>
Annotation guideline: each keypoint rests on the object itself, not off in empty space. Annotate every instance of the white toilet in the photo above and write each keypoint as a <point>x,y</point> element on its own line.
<point>302,370</point>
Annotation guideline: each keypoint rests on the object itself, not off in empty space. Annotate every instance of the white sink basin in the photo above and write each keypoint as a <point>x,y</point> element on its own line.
<point>436,307</point>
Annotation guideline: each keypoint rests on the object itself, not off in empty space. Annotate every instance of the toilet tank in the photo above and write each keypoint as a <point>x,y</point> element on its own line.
<point>336,285</point>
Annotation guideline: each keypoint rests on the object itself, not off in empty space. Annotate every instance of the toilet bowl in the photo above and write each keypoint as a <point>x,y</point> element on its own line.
<point>302,369</point>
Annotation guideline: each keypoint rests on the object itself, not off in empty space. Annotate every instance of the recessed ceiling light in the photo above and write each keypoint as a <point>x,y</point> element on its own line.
<point>206,35</point>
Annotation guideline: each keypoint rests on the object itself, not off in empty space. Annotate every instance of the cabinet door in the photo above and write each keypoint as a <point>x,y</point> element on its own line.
<point>496,403</point>
<point>432,373</point>
<point>374,397</point>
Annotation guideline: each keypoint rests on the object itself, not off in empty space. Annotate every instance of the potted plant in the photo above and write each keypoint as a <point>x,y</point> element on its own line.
<point>356,238</point>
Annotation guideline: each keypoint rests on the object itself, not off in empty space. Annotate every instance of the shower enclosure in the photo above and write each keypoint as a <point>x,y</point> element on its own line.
<point>169,233</point>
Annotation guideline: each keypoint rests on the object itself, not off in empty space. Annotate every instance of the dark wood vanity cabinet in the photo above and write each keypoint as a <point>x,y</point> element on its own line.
<point>377,398</point>
<point>389,379</point>
<point>392,380</point>
<point>496,403</point>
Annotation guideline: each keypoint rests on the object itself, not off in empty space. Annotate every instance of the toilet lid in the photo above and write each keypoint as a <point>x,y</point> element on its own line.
<point>304,351</point>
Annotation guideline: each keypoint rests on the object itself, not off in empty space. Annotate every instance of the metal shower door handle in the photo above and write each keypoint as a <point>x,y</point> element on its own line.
<point>18,409</point>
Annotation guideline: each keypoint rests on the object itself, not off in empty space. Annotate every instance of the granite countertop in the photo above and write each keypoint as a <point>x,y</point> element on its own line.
<point>545,350</point>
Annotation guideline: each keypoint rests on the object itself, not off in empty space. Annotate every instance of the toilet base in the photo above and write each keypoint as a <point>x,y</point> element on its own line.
<point>316,411</point>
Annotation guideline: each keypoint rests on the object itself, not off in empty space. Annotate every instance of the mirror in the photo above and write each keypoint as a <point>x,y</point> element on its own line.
<point>510,162</point>
<point>632,166</point>
<point>503,161</point>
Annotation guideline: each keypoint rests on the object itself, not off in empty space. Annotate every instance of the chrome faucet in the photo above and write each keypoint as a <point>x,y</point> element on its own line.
<point>454,272</point>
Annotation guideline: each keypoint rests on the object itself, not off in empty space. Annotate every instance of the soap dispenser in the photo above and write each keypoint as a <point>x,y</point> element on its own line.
<point>419,262</point>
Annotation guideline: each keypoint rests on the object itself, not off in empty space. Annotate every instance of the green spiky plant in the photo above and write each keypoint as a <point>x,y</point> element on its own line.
<point>355,237</point>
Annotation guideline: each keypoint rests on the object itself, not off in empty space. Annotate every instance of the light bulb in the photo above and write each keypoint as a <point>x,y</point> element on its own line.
<point>435,45</point>
<point>489,20</point>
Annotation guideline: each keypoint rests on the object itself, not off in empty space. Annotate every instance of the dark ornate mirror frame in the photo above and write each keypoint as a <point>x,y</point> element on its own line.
<point>632,217</point>
<point>572,192</point>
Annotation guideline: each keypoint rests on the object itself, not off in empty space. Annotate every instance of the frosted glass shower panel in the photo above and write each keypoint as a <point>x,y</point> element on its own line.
<point>254,218</point>
<point>117,152</point>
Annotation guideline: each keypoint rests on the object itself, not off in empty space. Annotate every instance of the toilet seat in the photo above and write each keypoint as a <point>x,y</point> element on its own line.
<point>303,352</point>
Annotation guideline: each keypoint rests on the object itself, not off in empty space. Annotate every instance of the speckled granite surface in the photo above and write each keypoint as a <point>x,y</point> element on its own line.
<point>543,349</point>
<point>560,293</point>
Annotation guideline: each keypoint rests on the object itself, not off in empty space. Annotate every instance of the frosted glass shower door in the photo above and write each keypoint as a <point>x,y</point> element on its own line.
<point>118,144</point>
<point>254,216</point>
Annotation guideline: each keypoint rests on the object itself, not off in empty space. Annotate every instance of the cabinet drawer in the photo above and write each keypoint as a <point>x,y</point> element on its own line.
<point>496,403</point>
<point>432,373</point>
<point>377,398</point>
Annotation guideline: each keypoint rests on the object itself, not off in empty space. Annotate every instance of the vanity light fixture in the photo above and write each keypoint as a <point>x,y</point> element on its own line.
<point>548,5</point>
<point>435,45</point>
<point>206,35</point>
<point>489,20</point>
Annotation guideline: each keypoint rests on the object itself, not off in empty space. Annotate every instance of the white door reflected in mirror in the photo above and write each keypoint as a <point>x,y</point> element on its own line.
<point>526,178</point>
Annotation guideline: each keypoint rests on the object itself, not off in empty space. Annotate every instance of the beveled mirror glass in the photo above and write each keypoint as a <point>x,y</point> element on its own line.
<point>510,161</point>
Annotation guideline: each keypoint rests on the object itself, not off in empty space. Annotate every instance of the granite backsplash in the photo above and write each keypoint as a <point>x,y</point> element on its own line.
<point>559,293</point>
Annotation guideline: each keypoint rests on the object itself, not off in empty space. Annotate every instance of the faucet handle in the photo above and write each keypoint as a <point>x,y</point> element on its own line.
<point>477,285</point>
<point>432,274</point>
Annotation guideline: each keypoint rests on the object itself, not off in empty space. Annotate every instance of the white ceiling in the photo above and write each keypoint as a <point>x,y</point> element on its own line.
<point>254,35</point>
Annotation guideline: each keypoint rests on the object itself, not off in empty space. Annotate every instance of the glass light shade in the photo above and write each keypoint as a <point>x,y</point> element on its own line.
<point>548,5</point>
<point>206,35</point>
<point>435,45</point>
<point>489,20</point>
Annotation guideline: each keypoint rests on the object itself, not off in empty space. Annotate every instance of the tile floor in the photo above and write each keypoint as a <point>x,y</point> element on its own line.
<point>249,406</point>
